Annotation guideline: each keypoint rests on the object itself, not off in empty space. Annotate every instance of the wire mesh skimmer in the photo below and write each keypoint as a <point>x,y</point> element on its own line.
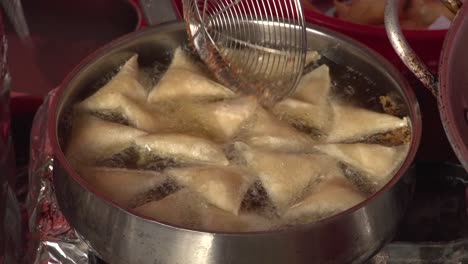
<point>256,47</point>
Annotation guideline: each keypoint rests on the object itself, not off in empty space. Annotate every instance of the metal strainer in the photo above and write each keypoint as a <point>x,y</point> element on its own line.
<point>236,41</point>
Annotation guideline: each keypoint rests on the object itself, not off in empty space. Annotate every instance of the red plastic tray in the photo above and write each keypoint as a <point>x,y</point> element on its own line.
<point>62,33</point>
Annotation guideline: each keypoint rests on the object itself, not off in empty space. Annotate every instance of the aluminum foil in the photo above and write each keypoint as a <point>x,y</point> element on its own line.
<point>53,241</point>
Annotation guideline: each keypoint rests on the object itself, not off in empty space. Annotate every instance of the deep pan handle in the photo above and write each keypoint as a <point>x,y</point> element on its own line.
<point>403,49</point>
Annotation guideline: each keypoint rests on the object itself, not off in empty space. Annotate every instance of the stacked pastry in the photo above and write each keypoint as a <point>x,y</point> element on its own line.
<point>190,152</point>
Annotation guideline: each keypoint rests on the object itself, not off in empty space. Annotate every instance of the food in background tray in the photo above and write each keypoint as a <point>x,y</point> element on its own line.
<point>414,14</point>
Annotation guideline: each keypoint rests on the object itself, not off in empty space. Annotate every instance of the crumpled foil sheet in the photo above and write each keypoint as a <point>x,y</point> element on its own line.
<point>53,241</point>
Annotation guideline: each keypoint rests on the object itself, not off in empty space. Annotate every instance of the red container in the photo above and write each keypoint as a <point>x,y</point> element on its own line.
<point>62,34</point>
<point>428,45</point>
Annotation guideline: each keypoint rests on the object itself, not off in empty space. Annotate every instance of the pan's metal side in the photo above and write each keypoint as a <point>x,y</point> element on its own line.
<point>453,97</point>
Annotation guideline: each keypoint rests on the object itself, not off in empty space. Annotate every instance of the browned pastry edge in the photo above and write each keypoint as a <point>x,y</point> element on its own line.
<point>125,159</point>
<point>257,200</point>
<point>357,179</point>
<point>111,117</point>
<point>155,194</point>
<point>392,138</point>
<point>391,106</point>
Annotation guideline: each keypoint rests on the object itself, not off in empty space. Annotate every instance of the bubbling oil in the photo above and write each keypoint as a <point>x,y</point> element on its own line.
<point>260,186</point>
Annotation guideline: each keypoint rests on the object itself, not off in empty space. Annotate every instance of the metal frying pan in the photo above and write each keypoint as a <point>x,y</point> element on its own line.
<point>120,236</point>
<point>451,86</point>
